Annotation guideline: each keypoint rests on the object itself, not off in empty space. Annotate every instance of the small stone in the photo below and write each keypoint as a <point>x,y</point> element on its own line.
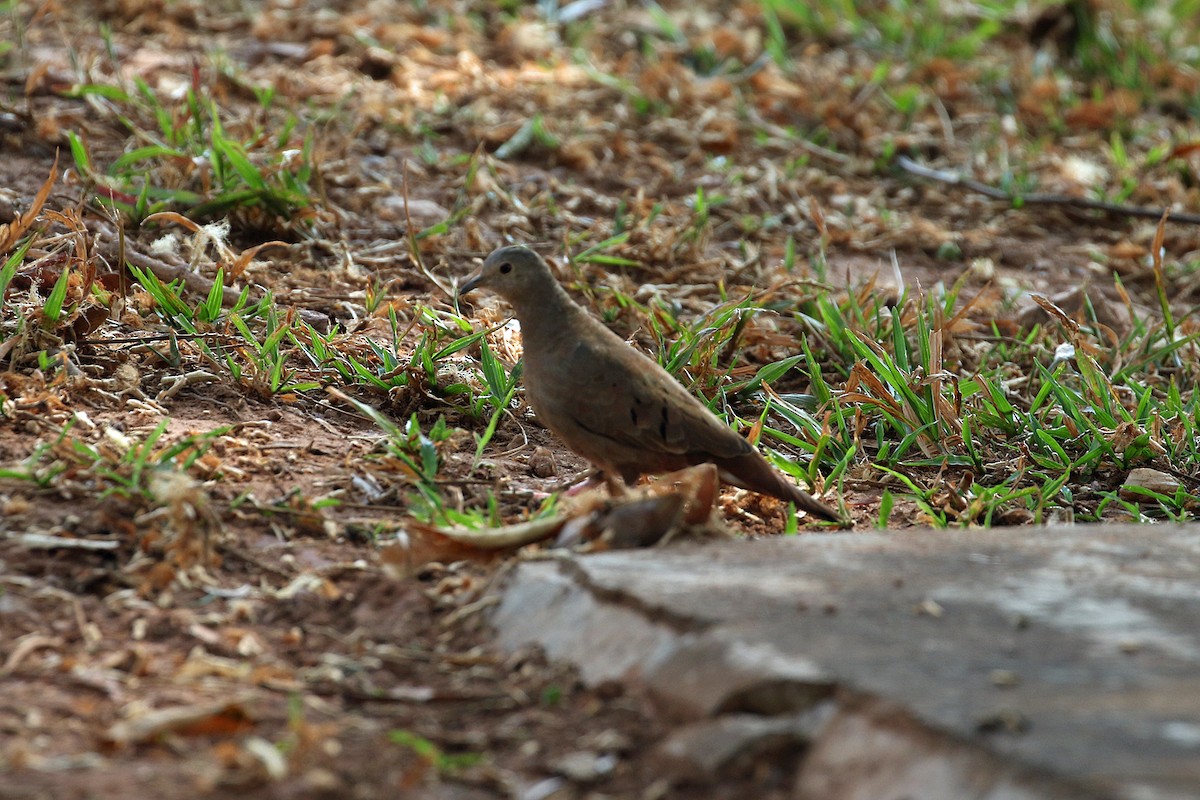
<point>544,789</point>
<point>1063,515</point>
<point>394,208</point>
<point>527,40</point>
<point>930,608</point>
<point>585,766</point>
<point>609,741</point>
<point>1151,480</point>
<point>319,779</point>
<point>982,269</point>
<point>1004,678</point>
<point>541,463</point>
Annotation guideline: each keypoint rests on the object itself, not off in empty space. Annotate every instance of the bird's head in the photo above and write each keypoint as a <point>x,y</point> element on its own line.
<point>511,272</point>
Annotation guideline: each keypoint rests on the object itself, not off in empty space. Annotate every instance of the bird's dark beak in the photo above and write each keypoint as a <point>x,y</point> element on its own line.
<point>471,282</point>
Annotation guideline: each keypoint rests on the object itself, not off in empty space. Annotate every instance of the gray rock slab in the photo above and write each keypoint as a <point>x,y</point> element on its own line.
<point>714,747</point>
<point>1027,663</point>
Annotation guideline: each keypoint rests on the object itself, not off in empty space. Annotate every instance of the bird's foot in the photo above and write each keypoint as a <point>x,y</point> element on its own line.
<point>616,487</point>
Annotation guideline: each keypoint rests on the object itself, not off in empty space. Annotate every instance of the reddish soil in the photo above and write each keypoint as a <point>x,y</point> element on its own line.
<point>228,633</point>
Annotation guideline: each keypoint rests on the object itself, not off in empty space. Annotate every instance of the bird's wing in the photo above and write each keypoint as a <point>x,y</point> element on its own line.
<point>626,397</point>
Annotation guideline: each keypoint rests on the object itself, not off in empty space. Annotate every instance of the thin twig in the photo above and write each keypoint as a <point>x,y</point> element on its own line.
<point>160,337</point>
<point>955,179</point>
<point>42,540</point>
<point>792,139</point>
<point>122,252</point>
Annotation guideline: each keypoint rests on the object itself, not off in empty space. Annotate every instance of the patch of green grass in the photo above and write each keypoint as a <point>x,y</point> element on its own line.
<point>59,302</point>
<point>251,336</point>
<point>192,156</point>
<point>638,100</point>
<point>502,387</point>
<point>117,466</point>
<point>816,19</point>
<point>947,425</point>
<point>434,756</point>
<point>13,22</point>
<point>597,253</point>
<point>701,354</point>
<point>915,31</point>
<point>531,134</point>
<point>416,454</point>
<point>272,352</point>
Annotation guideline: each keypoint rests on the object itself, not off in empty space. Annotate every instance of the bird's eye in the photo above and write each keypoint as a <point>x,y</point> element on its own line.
<point>505,268</point>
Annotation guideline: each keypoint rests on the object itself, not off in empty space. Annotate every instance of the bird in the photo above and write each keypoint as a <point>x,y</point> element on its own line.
<point>609,402</point>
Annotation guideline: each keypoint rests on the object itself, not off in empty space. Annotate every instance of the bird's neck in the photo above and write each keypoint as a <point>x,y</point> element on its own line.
<point>546,318</point>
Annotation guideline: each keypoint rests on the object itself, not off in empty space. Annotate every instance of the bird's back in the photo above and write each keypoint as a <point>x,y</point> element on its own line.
<point>616,406</point>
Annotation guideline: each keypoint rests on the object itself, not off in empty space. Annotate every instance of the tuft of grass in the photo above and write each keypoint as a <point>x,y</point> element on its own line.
<point>995,429</point>
<point>116,466</point>
<point>413,454</point>
<point>434,757</point>
<point>502,387</point>
<point>191,156</point>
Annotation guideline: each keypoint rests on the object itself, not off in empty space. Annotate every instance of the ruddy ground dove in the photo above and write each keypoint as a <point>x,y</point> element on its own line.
<point>610,403</point>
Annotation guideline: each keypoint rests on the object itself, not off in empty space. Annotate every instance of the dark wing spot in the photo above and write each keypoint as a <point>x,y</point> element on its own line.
<point>633,416</point>
<point>662,425</point>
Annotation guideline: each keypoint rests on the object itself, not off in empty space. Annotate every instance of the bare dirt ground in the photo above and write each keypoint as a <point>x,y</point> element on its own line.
<point>226,632</point>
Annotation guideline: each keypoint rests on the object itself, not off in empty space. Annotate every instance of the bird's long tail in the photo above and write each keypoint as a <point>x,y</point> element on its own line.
<point>752,471</point>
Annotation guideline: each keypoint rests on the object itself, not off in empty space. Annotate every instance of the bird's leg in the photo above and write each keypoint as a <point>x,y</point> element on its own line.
<point>617,489</point>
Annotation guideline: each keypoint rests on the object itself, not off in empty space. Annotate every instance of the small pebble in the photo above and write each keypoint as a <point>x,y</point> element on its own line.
<point>541,463</point>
